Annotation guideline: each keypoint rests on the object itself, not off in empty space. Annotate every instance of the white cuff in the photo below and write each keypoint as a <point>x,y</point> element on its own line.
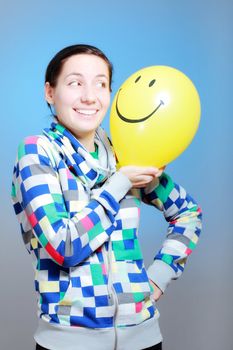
<point>161,274</point>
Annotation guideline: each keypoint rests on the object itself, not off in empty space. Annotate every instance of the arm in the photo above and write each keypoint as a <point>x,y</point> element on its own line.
<point>184,218</point>
<point>68,240</point>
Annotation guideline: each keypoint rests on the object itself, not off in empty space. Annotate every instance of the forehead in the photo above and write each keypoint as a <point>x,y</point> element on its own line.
<point>87,65</point>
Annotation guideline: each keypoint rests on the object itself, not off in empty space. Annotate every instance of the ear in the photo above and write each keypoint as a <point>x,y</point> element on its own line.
<point>49,92</point>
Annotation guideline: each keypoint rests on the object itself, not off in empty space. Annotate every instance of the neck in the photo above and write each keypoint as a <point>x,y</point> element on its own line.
<point>87,141</point>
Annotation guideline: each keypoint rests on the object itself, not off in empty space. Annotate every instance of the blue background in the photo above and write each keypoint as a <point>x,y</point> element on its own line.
<point>193,36</point>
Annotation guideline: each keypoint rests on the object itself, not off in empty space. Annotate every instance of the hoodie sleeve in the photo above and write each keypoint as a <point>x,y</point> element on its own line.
<point>40,206</point>
<point>184,218</point>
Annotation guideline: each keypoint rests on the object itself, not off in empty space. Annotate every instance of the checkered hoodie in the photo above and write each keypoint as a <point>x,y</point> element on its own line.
<point>79,221</point>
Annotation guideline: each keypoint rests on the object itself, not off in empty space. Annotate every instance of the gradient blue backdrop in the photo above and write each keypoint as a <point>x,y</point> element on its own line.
<point>193,36</point>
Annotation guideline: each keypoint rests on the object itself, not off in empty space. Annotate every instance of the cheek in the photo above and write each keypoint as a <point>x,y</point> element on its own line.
<point>106,99</point>
<point>65,97</point>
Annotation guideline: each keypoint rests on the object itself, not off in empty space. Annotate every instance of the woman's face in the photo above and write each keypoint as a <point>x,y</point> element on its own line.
<point>81,96</point>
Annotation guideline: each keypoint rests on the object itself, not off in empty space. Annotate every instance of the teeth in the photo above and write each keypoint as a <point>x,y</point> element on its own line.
<point>87,111</point>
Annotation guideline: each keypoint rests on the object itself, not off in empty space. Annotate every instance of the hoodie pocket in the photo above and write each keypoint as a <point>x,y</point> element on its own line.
<point>133,291</point>
<point>87,292</point>
<point>131,280</point>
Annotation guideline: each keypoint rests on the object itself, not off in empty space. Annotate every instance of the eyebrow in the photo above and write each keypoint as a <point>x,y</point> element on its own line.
<point>80,75</point>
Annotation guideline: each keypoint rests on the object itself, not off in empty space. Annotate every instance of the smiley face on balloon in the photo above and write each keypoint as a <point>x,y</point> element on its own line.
<point>154,116</point>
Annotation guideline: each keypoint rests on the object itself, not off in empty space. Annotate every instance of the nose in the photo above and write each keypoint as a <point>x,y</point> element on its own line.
<point>88,95</point>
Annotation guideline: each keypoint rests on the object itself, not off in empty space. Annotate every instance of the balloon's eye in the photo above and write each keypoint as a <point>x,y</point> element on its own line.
<point>137,79</point>
<point>152,82</point>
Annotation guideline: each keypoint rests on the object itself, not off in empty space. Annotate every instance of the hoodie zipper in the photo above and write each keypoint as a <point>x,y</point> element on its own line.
<point>112,293</point>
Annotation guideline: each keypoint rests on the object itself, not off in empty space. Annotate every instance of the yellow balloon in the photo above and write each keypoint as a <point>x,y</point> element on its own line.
<point>154,116</point>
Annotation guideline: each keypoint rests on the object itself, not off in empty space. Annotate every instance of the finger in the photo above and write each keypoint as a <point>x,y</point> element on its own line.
<point>144,178</point>
<point>151,171</point>
<point>139,186</point>
<point>159,173</point>
<point>155,172</point>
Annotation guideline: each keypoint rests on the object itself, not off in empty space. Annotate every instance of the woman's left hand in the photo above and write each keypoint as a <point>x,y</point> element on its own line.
<point>157,292</point>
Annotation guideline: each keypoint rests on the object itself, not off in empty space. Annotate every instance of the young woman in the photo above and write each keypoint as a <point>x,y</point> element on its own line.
<point>79,219</point>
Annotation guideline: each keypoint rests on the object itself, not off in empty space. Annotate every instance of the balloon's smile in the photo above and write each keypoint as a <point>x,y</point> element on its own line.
<point>141,119</point>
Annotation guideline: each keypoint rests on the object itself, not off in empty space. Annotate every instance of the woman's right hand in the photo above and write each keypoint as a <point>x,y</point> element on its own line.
<point>140,176</point>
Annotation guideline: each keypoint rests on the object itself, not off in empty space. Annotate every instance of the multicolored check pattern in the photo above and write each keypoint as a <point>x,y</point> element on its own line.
<point>68,233</point>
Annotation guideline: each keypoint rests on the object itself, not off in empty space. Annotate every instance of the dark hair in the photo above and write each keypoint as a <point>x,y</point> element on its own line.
<point>55,65</point>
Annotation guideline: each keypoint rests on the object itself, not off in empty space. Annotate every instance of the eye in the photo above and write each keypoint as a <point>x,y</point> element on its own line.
<point>101,84</point>
<point>75,83</point>
<point>152,82</point>
<point>137,79</point>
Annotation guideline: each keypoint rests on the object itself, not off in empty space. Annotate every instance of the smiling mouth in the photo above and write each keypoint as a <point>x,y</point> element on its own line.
<point>141,119</point>
<point>86,112</point>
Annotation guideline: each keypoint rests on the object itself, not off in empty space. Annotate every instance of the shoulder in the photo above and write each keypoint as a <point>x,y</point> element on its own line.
<point>37,147</point>
<point>32,141</point>
<point>28,146</point>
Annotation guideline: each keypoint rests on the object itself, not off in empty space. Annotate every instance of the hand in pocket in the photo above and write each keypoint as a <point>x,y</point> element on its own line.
<point>157,292</point>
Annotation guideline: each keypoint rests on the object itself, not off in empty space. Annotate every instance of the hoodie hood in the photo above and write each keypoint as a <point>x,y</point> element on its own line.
<point>80,162</point>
